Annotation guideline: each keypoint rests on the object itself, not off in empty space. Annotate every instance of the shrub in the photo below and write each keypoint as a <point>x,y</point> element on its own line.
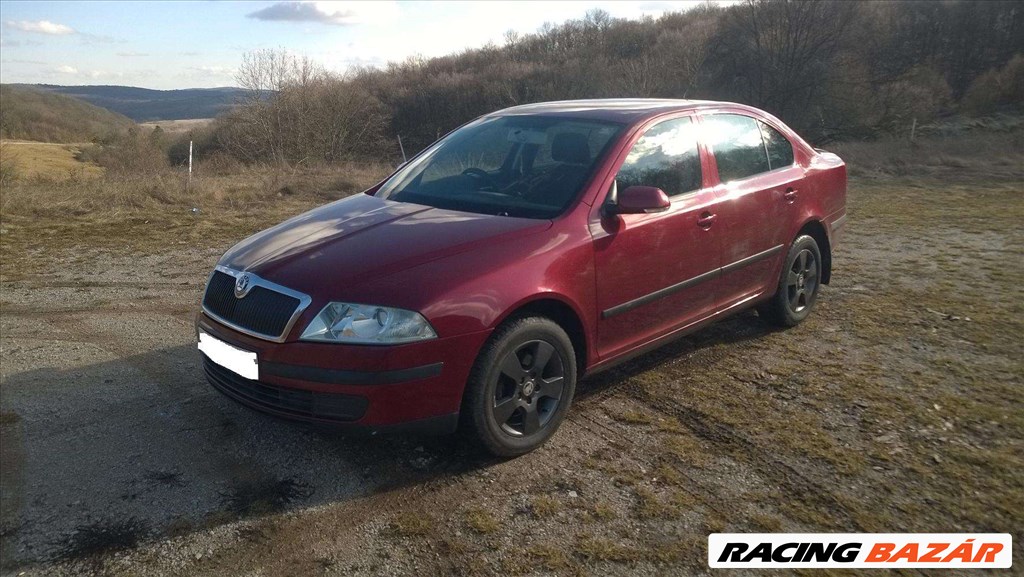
<point>997,88</point>
<point>133,153</point>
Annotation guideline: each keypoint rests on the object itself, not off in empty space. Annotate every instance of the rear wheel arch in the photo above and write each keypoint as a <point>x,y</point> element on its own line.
<point>816,230</point>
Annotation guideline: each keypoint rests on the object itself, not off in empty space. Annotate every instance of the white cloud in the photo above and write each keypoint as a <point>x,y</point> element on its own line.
<point>40,27</point>
<point>337,13</point>
<point>66,70</point>
<point>132,54</point>
<point>213,69</point>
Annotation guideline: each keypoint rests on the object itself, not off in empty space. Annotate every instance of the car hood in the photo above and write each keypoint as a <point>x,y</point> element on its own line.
<point>364,237</point>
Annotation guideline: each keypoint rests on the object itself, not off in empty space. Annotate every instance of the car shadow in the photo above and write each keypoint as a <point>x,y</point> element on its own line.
<point>742,327</point>
<point>112,453</point>
<point>105,454</point>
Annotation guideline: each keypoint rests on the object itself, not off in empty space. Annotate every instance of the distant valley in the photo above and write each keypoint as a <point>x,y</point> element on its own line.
<point>145,105</point>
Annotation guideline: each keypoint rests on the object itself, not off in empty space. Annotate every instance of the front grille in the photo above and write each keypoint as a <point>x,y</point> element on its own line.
<point>290,402</point>
<point>262,311</point>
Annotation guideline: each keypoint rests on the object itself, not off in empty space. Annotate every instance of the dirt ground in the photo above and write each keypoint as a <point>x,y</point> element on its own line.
<point>897,407</point>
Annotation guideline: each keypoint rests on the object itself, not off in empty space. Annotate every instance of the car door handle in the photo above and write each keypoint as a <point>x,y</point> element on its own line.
<point>706,219</point>
<point>789,195</point>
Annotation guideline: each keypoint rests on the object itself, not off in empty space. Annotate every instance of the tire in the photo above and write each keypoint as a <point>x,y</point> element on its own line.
<point>512,406</point>
<point>798,287</point>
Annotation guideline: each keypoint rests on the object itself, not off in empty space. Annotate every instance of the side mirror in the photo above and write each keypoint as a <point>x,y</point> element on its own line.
<point>640,200</point>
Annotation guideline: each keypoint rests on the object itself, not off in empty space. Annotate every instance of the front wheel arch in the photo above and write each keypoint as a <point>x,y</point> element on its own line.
<point>561,313</point>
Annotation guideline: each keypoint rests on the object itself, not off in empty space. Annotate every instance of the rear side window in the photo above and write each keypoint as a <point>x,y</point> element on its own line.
<point>666,157</point>
<point>737,144</point>
<point>780,150</point>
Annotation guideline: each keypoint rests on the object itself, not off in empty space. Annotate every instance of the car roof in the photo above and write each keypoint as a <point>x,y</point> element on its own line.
<point>623,110</point>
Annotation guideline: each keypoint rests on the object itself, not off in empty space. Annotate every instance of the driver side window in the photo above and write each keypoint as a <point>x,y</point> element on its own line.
<point>666,157</point>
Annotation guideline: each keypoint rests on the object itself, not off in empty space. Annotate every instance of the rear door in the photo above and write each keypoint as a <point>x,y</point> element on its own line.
<point>758,180</point>
<point>656,272</point>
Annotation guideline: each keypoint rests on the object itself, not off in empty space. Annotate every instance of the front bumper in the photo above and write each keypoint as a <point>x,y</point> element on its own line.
<point>416,385</point>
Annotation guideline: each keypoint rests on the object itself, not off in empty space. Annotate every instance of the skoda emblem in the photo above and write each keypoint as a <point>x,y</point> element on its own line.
<point>242,285</point>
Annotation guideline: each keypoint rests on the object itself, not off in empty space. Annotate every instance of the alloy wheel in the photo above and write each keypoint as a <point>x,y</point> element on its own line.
<point>802,280</point>
<point>529,388</point>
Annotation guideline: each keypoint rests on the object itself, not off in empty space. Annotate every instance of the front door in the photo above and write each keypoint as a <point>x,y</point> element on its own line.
<point>658,272</point>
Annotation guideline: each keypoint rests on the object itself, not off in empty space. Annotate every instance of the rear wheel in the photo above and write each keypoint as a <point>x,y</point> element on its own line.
<point>521,387</point>
<point>798,285</point>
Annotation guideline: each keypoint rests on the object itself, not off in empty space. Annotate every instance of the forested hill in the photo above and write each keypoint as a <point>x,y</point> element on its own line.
<point>30,114</point>
<point>143,104</point>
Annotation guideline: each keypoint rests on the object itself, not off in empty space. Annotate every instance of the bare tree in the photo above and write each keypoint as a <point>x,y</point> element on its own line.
<point>296,112</point>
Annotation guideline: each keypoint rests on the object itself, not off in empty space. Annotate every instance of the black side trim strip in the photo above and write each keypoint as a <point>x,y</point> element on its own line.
<point>710,275</point>
<point>342,377</point>
<point>751,259</point>
<point>660,293</point>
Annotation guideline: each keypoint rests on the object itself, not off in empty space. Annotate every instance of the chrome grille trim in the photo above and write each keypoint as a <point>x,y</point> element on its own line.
<point>256,280</point>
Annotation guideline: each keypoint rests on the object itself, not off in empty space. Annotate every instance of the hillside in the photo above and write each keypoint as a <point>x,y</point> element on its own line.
<point>143,104</point>
<point>29,114</point>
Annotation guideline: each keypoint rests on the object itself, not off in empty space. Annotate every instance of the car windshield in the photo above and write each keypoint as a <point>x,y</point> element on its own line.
<point>519,166</point>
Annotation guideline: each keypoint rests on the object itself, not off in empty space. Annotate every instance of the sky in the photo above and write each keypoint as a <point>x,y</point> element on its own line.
<point>167,45</point>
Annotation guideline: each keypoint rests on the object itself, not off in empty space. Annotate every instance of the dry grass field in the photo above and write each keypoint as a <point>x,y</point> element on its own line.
<point>898,407</point>
<point>45,160</point>
<point>175,127</point>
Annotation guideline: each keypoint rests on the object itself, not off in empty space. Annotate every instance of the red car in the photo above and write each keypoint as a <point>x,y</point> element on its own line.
<point>528,248</point>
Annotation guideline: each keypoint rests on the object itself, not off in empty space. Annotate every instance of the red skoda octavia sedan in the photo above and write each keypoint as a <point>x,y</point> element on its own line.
<point>478,283</point>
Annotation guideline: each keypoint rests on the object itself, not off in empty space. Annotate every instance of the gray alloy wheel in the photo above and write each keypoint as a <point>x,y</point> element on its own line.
<point>802,281</point>
<point>798,286</point>
<point>528,389</point>
<point>521,386</point>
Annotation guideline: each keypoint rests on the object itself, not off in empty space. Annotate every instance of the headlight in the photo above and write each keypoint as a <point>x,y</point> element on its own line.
<point>367,325</point>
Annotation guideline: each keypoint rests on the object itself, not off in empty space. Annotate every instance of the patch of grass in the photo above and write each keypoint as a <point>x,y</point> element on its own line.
<point>687,449</point>
<point>553,558</point>
<point>766,522</point>
<point>670,425</point>
<point>594,548</point>
<point>715,524</point>
<point>652,506</point>
<point>633,417</point>
<point>545,506</point>
<point>104,536</point>
<point>668,474</point>
<point>603,510</point>
<point>482,521</point>
<point>412,524</point>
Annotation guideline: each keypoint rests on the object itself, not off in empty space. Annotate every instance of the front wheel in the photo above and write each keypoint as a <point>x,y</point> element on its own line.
<point>521,387</point>
<point>798,285</point>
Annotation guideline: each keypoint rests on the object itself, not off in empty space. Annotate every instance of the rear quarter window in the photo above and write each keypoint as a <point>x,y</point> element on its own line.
<point>780,149</point>
<point>737,145</point>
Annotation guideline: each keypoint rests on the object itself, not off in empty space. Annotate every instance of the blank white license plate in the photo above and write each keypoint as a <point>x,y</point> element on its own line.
<point>243,363</point>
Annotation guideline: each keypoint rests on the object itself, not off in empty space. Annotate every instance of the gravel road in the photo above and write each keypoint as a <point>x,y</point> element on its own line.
<point>896,407</point>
